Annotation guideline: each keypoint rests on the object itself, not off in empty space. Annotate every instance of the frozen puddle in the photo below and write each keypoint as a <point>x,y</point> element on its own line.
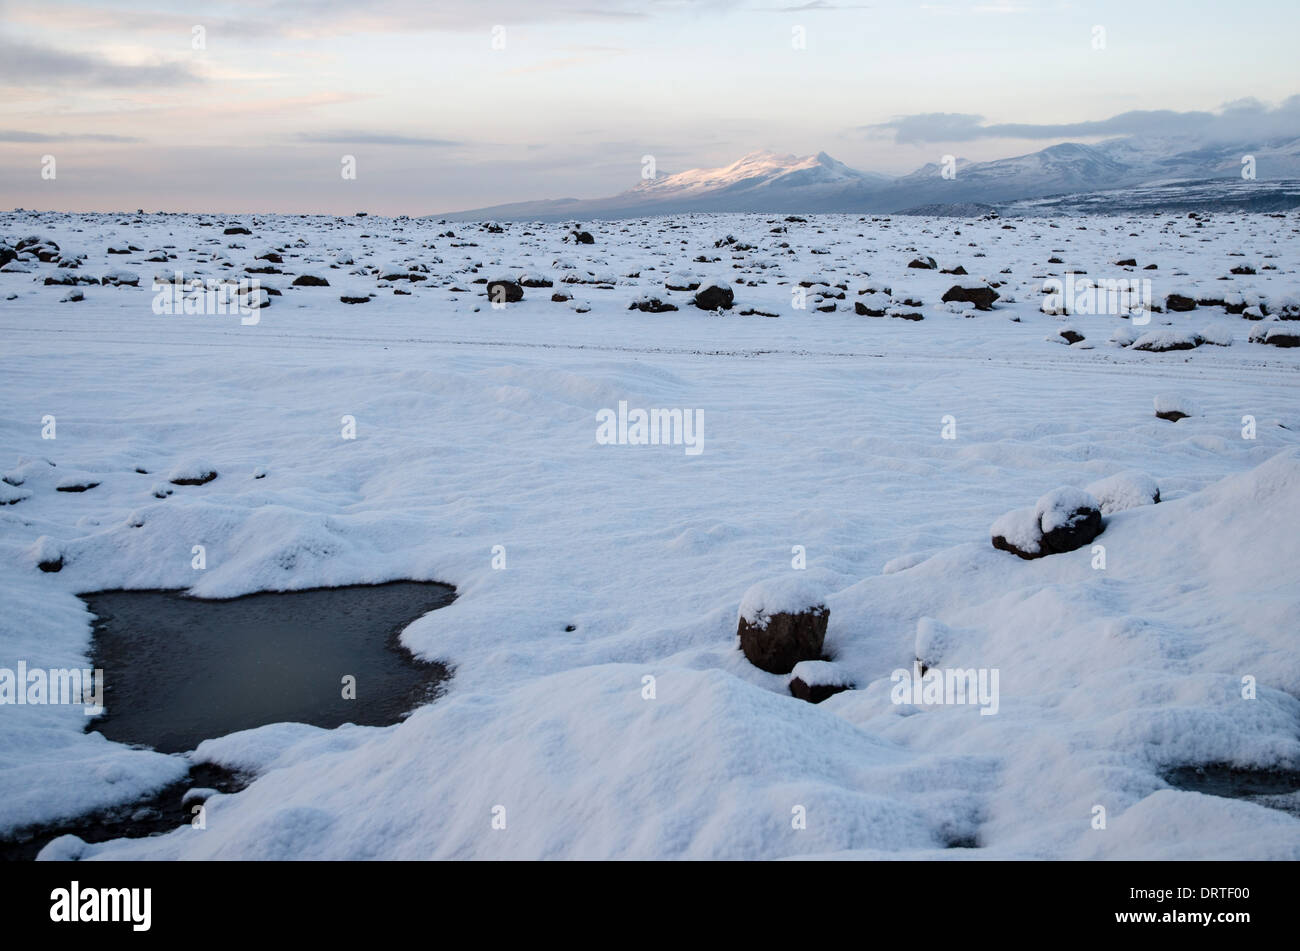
<point>1277,789</point>
<point>179,670</point>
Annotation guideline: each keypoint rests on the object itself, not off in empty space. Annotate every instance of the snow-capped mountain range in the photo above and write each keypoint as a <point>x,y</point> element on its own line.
<point>765,181</point>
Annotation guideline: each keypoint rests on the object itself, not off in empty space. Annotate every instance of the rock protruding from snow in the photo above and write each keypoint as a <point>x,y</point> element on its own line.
<point>193,472</point>
<point>120,279</point>
<point>1165,339</point>
<point>782,623</point>
<point>1019,533</point>
<point>981,295</point>
<point>1061,521</point>
<point>715,295</point>
<point>1173,407</point>
<point>503,290</point>
<point>681,281</point>
<point>815,680</point>
<point>1070,518</point>
<point>1275,335</point>
<point>47,553</point>
<point>651,305</point>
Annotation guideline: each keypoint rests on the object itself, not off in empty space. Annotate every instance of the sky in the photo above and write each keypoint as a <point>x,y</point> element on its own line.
<point>443,105</point>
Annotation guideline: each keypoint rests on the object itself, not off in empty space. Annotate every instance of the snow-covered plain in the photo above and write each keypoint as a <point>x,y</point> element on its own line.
<point>476,428</point>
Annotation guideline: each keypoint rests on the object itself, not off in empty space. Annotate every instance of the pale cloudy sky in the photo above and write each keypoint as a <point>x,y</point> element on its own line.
<point>439,118</point>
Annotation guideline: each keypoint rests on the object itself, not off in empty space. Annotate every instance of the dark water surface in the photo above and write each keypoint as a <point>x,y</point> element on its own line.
<point>1277,789</point>
<point>179,670</point>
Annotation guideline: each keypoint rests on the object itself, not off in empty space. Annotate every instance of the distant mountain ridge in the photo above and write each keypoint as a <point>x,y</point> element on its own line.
<point>767,182</point>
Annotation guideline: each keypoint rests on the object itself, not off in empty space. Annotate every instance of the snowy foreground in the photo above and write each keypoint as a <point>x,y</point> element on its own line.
<point>476,427</point>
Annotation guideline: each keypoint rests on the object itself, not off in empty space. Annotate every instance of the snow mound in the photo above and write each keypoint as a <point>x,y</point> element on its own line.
<point>821,673</point>
<point>788,594</point>
<point>1124,490</point>
<point>934,639</point>
<point>753,759</point>
<point>1219,334</point>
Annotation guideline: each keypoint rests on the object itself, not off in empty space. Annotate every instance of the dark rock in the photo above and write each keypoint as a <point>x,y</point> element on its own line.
<point>81,487</point>
<point>237,229</point>
<point>924,264</point>
<point>1127,262</point>
<point>1243,269</point>
<point>651,305</point>
<point>310,280</point>
<point>862,310</point>
<point>1158,344</point>
<point>1084,525</point>
<point>1276,339</point>
<point>55,564</point>
<point>816,693</point>
<point>502,291</point>
<point>1179,303</point>
<point>1061,521</point>
<point>955,271</point>
<point>981,296</point>
<point>714,297</point>
<point>1000,542</point>
<point>349,299</point>
<point>1071,336</point>
<point>583,237</point>
<point>204,479</point>
<point>785,640</point>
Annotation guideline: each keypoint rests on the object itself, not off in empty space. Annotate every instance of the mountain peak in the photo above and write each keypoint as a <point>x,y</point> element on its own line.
<point>773,182</point>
